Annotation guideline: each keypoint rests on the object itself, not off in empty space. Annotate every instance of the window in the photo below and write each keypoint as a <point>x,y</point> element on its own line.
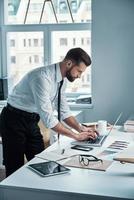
<point>30,59</point>
<point>27,58</point>
<point>74,41</point>
<point>24,42</point>
<point>11,9</point>
<point>12,43</point>
<point>74,6</point>
<point>43,35</point>
<point>88,41</point>
<point>36,58</point>
<point>63,41</point>
<point>77,85</point>
<point>35,42</point>
<point>82,41</point>
<point>63,6</point>
<point>21,11</point>
<point>29,42</point>
<point>13,59</point>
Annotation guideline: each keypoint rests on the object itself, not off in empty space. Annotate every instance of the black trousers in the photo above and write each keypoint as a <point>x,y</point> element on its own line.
<point>20,136</point>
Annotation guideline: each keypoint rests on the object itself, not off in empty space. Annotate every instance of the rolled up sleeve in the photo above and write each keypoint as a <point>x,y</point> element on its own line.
<point>41,88</point>
<point>64,107</point>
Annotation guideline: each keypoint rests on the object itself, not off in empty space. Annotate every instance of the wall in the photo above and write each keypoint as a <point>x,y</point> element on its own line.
<point>112,60</point>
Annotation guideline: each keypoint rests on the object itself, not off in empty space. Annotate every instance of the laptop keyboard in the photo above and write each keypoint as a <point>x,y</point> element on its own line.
<point>96,141</point>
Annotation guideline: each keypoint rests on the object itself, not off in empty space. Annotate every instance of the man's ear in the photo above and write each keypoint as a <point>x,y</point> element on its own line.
<point>69,63</point>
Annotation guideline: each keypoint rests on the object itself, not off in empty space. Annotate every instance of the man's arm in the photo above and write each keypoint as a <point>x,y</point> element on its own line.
<point>83,135</point>
<point>72,122</point>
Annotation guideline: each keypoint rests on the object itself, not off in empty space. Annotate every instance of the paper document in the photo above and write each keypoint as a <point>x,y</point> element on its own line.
<point>74,162</point>
<point>126,155</point>
<point>57,155</point>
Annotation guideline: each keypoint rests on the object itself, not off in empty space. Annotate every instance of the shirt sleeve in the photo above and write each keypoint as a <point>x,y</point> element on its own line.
<point>41,88</point>
<point>64,107</point>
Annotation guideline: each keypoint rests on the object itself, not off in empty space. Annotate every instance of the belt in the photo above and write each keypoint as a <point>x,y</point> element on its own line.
<point>23,113</point>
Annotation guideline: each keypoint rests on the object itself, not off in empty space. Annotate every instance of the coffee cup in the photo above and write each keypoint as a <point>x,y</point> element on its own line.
<point>102,127</point>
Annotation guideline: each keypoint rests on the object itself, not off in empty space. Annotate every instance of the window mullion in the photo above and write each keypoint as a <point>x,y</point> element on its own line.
<point>49,45</point>
<point>0,54</point>
<point>43,27</point>
<point>46,47</point>
<point>1,36</point>
<point>3,54</point>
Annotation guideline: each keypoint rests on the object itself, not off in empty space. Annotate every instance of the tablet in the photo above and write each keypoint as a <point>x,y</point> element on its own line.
<point>48,168</point>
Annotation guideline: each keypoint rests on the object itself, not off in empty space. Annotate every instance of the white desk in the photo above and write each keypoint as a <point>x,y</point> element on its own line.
<point>81,184</point>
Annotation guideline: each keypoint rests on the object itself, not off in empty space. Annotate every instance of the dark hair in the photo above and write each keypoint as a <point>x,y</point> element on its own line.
<point>78,55</point>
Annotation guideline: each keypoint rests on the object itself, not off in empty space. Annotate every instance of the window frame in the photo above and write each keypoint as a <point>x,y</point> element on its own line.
<point>47,30</point>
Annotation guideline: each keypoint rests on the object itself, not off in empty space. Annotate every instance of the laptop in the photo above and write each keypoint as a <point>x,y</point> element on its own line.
<point>99,140</point>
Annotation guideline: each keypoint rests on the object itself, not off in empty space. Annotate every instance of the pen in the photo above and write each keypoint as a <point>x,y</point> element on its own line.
<point>63,151</point>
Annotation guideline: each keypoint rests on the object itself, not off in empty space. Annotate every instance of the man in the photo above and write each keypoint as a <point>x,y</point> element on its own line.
<point>35,97</point>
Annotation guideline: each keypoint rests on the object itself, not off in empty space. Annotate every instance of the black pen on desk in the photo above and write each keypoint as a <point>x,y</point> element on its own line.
<point>62,151</point>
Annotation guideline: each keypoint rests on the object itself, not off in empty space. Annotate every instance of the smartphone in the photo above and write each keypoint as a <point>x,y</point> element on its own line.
<point>82,148</point>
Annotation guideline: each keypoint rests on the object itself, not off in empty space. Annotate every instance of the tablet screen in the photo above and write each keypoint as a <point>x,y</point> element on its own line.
<point>48,168</point>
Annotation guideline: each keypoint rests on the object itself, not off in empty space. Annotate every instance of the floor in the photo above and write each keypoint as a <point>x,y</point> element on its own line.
<point>2,174</point>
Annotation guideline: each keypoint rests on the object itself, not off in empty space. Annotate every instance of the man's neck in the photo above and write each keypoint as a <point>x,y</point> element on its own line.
<point>63,68</point>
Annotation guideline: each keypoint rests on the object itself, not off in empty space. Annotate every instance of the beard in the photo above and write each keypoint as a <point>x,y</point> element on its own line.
<point>69,76</point>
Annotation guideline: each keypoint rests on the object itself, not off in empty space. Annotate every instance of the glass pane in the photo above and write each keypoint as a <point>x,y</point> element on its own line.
<point>50,11</point>
<point>65,40</point>
<point>25,52</point>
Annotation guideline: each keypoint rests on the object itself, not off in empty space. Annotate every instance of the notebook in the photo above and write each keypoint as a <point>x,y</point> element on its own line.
<point>102,166</point>
<point>99,140</point>
<point>126,155</point>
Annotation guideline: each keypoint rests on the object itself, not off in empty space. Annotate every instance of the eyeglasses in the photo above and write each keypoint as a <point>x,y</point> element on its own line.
<point>86,159</point>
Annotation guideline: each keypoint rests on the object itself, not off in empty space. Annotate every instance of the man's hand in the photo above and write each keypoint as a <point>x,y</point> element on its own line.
<point>87,129</point>
<point>87,133</point>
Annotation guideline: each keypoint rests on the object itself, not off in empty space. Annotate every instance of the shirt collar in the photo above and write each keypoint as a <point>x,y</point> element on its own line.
<point>58,73</point>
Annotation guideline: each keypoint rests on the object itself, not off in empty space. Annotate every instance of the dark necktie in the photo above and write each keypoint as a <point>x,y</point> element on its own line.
<point>59,101</point>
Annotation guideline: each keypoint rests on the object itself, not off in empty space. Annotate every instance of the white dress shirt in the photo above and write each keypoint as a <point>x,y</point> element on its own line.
<point>38,91</point>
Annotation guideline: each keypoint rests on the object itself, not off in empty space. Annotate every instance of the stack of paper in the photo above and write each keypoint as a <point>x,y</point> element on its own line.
<point>126,155</point>
<point>129,124</point>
